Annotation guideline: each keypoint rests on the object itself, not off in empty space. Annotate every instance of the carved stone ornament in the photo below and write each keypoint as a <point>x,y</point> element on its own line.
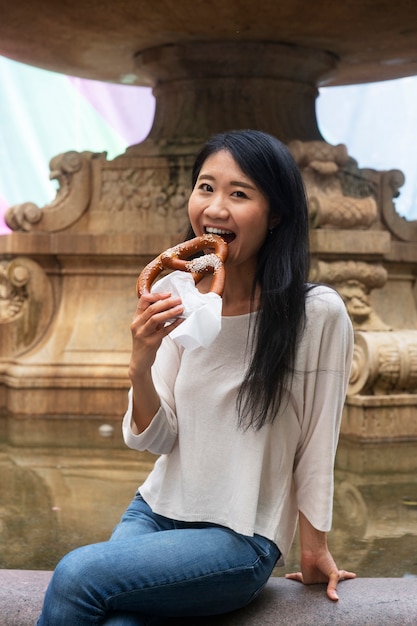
<point>26,305</point>
<point>384,363</point>
<point>13,292</point>
<point>354,281</point>
<point>359,307</point>
<point>338,195</point>
<point>72,170</point>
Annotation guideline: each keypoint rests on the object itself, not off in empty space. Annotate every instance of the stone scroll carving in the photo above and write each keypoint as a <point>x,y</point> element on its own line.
<point>400,227</point>
<point>338,196</point>
<point>384,363</point>
<point>72,170</point>
<point>26,305</point>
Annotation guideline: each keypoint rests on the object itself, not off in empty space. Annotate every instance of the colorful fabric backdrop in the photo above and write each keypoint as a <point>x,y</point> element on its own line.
<point>43,114</point>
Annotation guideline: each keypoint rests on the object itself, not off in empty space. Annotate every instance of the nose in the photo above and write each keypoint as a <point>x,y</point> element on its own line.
<point>217,207</point>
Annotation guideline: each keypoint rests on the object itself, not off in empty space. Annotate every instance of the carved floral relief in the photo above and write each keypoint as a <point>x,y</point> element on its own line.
<point>149,195</point>
<point>138,191</point>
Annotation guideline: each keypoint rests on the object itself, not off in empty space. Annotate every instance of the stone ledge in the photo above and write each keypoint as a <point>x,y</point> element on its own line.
<point>363,602</point>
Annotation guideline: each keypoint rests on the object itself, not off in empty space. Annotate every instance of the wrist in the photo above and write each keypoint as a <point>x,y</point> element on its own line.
<point>312,540</point>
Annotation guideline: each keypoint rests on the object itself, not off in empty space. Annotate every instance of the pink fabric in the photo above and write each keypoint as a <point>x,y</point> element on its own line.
<point>127,109</point>
<point>3,206</point>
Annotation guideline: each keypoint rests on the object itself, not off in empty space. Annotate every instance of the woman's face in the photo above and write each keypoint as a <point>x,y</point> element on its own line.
<point>226,202</point>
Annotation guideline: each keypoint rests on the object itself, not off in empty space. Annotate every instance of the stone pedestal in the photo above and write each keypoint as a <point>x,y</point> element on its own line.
<point>202,88</point>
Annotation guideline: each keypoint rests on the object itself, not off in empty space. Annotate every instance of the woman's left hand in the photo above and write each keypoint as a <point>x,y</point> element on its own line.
<point>317,564</point>
<point>322,571</point>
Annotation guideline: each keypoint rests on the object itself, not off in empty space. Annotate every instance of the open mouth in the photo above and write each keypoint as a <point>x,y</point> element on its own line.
<point>227,235</point>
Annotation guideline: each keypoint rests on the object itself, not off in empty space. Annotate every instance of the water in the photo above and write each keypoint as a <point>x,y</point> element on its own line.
<point>54,500</point>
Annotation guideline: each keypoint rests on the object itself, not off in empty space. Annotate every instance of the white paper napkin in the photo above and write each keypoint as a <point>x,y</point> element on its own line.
<point>202,311</point>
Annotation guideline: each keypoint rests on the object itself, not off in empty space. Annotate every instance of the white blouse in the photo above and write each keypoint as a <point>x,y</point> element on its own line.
<point>249,481</point>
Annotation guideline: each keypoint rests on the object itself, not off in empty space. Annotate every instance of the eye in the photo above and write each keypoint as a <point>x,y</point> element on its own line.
<point>205,187</point>
<point>239,194</point>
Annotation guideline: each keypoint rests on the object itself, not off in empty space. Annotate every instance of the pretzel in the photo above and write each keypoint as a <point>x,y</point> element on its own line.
<point>176,259</point>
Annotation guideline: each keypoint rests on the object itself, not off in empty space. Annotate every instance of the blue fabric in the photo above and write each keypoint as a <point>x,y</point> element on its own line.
<point>154,568</point>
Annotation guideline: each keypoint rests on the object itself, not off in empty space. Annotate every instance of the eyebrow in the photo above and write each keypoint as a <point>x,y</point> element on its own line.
<point>235,183</point>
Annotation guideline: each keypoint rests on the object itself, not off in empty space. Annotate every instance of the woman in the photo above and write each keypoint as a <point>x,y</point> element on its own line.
<point>246,429</point>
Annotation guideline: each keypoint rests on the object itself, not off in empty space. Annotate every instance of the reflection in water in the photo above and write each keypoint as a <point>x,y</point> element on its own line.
<point>54,500</point>
<point>26,516</point>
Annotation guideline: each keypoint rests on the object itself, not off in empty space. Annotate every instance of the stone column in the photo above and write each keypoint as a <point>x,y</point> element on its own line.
<point>208,87</point>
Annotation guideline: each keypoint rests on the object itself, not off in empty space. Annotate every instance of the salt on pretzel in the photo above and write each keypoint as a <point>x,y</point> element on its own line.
<point>176,259</point>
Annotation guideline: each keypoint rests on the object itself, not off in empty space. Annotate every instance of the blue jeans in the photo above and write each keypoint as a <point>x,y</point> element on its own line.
<point>154,568</point>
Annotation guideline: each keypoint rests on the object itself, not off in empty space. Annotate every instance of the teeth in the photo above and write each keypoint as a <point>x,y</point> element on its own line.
<point>217,231</point>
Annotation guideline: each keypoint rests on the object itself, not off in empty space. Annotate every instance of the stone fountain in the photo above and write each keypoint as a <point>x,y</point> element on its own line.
<point>68,269</point>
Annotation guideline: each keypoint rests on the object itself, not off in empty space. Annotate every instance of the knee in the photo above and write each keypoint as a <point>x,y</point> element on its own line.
<point>75,572</point>
<point>66,577</point>
<point>74,590</point>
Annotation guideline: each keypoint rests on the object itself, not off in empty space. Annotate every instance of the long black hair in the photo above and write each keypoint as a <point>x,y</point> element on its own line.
<point>282,268</point>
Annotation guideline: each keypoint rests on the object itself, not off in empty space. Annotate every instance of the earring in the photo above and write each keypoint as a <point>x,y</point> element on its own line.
<point>274,221</point>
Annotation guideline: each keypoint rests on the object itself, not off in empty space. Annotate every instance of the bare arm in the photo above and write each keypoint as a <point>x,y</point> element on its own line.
<point>148,328</point>
<point>317,564</point>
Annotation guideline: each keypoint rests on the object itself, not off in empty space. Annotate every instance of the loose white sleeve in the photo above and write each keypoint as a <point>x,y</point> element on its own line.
<point>161,433</point>
<point>326,356</point>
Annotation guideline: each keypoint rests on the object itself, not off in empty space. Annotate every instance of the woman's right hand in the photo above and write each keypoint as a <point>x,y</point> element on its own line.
<point>151,323</point>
